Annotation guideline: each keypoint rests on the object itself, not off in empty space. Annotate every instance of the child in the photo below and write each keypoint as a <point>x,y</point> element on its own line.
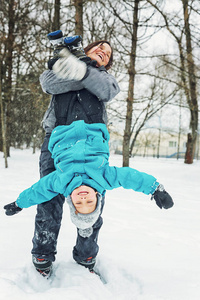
<point>81,157</point>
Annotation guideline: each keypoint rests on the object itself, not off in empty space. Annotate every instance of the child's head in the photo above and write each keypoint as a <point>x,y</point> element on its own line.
<point>84,199</point>
<point>85,208</point>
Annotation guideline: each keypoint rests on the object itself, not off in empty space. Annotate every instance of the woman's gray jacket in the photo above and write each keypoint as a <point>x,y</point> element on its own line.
<point>78,100</point>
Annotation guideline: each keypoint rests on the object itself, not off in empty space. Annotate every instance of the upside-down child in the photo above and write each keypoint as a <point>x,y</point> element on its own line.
<point>81,157</point>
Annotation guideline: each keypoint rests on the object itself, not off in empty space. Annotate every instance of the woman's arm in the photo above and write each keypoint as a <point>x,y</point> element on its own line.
<point>96,80</point>
<point>53,85</point>
<point>100,83</point>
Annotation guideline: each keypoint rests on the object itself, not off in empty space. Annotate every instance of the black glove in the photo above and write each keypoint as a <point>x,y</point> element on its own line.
<point>162,198</point>
<point>51,62</point>
<point>12,209</point>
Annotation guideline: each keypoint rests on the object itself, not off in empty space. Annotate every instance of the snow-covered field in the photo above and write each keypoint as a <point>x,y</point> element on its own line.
<point>145,253</point>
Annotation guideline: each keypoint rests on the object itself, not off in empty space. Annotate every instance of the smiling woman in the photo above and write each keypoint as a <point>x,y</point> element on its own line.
<point>102,48</point>
<point>101,53</point>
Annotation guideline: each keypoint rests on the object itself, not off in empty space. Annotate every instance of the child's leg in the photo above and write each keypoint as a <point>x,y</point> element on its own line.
<point>87,249</point>
<point>49,214</point>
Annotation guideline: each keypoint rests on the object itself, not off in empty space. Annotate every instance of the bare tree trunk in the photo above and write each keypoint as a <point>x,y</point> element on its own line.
<point>189,151</point>
<point>179,129</point>
<point>3,130</point>
<point>190,91</point>
<point>158,145</point>
<point>197,150</point>
<point>79,17</point>
<point>193,104</point>
<point>130,99</point>
<point>56,21</point>
<point>9,66</point>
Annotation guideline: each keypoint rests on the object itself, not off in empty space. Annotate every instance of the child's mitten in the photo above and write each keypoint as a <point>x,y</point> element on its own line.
<point>162,198</point>
<point>12,209</point>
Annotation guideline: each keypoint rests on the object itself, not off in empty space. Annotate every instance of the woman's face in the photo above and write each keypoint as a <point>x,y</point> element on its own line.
<point>84,199</point>
<point>101,53</point>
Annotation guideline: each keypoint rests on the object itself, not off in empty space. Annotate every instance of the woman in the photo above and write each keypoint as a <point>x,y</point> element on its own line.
<point>72,100</point>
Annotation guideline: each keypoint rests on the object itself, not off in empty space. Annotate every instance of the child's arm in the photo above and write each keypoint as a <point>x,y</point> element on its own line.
<point>40,192</point>
<point>130,178</point>
<point>140,182</point>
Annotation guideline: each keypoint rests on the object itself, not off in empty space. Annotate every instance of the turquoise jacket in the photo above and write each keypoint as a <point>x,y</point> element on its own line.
<point>81,157</point>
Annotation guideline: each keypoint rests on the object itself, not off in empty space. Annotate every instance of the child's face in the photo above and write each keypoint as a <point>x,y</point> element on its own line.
<point>84,199</point>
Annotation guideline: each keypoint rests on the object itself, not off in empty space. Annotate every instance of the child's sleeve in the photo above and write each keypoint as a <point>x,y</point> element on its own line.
<point>130,178</point>
<point>40,192</point>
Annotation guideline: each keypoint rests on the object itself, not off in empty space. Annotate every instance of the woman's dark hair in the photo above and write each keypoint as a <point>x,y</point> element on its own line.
<point>94,44</point>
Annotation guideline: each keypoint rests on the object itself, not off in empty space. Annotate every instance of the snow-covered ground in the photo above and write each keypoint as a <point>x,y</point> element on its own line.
<point>145,253</point>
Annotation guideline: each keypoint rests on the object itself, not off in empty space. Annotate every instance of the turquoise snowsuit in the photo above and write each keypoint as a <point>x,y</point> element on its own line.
<point>81,153</point>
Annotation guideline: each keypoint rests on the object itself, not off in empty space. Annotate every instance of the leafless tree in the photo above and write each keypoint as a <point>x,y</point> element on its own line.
<point>180,28</point>
<point>78,4</point>
<point>3,130</point>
